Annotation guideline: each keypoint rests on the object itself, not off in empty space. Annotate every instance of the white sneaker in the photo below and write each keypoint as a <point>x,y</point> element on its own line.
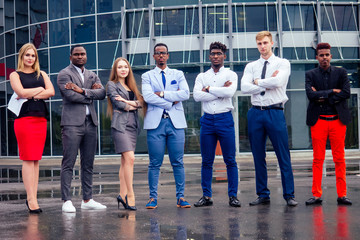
<point>68,207</point>
<point>91,204</point>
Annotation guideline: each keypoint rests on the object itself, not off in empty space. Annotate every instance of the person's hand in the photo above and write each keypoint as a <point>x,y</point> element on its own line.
<point>157,93</point>
<point>73,86</point>
<point>312,88</point>
<point>256,81</point>
<point>336,90</point>
<point>119,98</point>
<point>227,83</point>
<point>176,102</point>
<point>275,73</point>
<point>96,86</point>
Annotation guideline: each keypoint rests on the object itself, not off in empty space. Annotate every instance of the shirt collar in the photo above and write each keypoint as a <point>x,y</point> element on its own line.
<point>158,70</point>
<point>325,71</point>
<point>270,59</point>
<point>220,70</point>
<point>79,69</point>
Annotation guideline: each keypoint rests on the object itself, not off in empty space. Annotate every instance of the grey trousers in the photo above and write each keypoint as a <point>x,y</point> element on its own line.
<point>73,138</point>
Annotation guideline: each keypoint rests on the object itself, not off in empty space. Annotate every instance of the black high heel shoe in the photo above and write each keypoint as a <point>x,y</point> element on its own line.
<point>37,211</point>
<point>120,200</point>
<point>132,208</point>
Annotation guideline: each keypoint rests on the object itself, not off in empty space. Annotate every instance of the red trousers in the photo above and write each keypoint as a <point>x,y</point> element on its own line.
<point>320,132</point>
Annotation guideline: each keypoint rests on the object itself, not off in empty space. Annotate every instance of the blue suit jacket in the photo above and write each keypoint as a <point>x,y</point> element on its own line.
<point>176,89</point>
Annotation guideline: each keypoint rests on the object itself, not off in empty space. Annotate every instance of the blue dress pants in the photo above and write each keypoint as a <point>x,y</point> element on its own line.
<point>263,123</point>
<point>216,127</point>
<point>166,135</point>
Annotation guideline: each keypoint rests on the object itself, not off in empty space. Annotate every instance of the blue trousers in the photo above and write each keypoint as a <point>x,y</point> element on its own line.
<point>157,139</point>
<point>263,123</point>
<point>216,127</point>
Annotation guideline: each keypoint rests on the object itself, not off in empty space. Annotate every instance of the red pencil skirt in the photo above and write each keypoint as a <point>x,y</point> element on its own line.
<point>31,135</point>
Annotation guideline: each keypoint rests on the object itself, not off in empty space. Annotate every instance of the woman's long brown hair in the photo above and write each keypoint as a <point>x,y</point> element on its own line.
<point>129,81</point>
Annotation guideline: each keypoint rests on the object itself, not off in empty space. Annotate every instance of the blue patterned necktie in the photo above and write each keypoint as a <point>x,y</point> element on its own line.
<point>263,76</point>
<point>163,78</point>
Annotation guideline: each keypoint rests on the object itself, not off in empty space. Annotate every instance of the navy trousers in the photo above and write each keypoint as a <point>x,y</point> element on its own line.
<point>216,127</point>
<point>263,123</point>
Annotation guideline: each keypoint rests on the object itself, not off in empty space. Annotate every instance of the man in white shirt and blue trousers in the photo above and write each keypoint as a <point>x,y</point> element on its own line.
<point>215,89</point>
<point>266,80</point>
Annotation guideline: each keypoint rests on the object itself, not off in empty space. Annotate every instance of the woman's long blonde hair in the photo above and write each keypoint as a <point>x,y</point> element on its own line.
<point>129,81</point>
<point>22,51</point>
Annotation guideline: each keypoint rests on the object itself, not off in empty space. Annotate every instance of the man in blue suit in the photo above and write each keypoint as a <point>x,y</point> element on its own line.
<point>164,89</point>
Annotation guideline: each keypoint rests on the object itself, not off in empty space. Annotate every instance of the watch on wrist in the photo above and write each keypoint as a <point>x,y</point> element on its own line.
<point>161,94</point>
<point>207,88</point>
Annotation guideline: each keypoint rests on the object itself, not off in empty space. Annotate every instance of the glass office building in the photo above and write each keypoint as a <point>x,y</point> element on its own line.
<point>130,28</point>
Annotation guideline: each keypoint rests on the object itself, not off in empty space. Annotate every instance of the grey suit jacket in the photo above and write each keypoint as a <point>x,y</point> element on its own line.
<point>120,109</point>
<point>74,104</point>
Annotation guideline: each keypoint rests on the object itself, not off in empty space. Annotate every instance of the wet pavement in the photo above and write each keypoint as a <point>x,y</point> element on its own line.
<point>220,221</point>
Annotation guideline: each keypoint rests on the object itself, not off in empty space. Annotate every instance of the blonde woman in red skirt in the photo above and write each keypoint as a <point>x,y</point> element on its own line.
<point>31,125</point>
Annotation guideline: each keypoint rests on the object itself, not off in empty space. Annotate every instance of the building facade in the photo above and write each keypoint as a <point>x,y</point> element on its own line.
<point>130,28</point>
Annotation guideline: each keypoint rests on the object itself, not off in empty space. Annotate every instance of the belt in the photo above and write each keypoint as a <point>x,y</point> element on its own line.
<point>274,106</point>
<point>329,118</point>
<point>165,115</point>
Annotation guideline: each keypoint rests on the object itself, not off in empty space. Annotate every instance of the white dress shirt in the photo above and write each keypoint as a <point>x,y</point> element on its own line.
<point>81,73</point>
<point>274,87</point>
<point>219,98</point>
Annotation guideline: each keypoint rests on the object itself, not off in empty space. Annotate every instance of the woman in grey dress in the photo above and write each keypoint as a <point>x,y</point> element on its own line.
<point>124,100</point>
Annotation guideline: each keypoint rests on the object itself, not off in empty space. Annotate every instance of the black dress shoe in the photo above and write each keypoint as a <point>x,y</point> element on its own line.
<point>313,201</point>
<point>260,201</point>
<point>36,211</point>
<point>120,200</point>
<point>204,201</point>
<point>291,202</point>
<point>234,202</point>
<point>344,201</point>
<point>132,208</point>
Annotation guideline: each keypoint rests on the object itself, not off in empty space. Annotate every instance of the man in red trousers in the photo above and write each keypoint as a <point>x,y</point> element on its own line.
<point>327,89</point>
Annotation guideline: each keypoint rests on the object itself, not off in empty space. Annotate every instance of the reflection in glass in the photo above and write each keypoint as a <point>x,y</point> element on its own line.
<point>83,29</point>
<point>163,3</point>
<point>53,79</point>
<point>43,60</point>
<point>130,4</point>
<point>106,143</point>
<point>192,112</point>
<point>215,19</point>
<point>2,50</point>
<point>110,25</point>
<point>21,8</point>
<point>300,53</point>
<point>338,18</point>
<point>58,9</point>
<point>10,67</point>
<point>82,7</point>
<point>109,5</point>
<point>9,14</point>
<point>59,58</point>
<point>59,32</point>
<point>184,57</point>
<point>301,17</point>
<point>38,35</point>
<point>38,11</point>
<point>3,128</point>
<point>254,18</point>
<point>91,56</point>
<point>10,42</point>
<point>56,108</point>
<point>137,24</point>
<point>176,22</point>
<point>106,54</point>
<point>22,37</point>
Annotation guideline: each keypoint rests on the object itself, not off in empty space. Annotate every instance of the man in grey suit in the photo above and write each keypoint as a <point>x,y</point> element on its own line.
<point>79,88</point>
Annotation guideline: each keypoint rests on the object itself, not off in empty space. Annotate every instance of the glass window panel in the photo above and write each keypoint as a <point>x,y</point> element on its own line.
<point>59,58</point>
<point>190,75</point>
<point>171,22</point>
<point>9,14</point>
<point>137,24</point>
<point>53,79</point>
<point>353,72</point>
<point>163,3</point>
<point>338,18</point>
<point>12,146</point>
<point>192,111</point>
<point>183,57</point>
<point>91,56</point>
<point>38,35</point>
<point>83,29</point>
<point>109,5</point>
<point>3,99</point>
<point>257,18</point>
<point>302,18</point>
<point>106,54</point>
<point>297,77</point>
<point>2,49</point>
<point>130,4</point>
<point>10,43</point>
<point>59,32</point>
<point>104,76</point>
<point>106,142</point>
<point>302,53</point>
<point>215,19</point>
<point>22,37</point>
<point>110,25</point>
<point>47,147</point>
<point>239,69</point>
<point>56,108</point>
<point>347,52</point>
<point>82,7</point>
<point>244,105</point>
<point>22,17</point>
<point>138,59</point>
<point>3,130</point>
<point>44,60</point>
<point>10,66</point>
<point>58,9</point>
<point>352,129</point>
<point>38,11</point>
